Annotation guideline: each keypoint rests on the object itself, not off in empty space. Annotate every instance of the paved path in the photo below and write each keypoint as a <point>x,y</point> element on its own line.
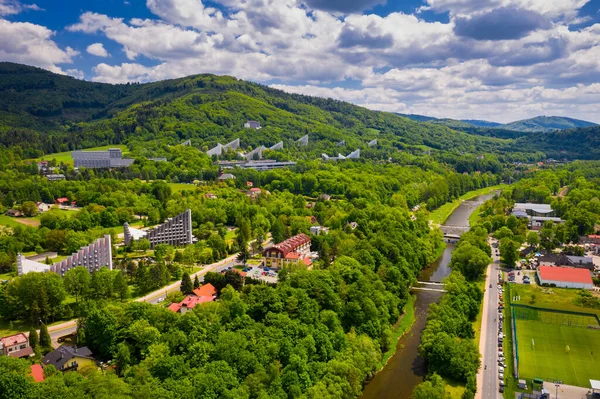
<point>487,379</point>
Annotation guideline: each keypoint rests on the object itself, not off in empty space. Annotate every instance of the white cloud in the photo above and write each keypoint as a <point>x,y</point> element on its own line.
<point>11,7</point>
<point>76,73</point>
<point>33,45</point>
<point>98,50</point>
<point>402,62</point>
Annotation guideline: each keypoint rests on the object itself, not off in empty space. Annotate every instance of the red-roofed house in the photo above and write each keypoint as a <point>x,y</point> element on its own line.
<point>206,290</point>
<point>37,372</point>
<point>289,251</point>
<point>16,346</point>
<point>62,200</point>
<point>206,293</point>
<point>565,277</point>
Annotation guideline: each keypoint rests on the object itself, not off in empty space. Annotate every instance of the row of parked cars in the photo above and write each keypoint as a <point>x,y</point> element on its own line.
<point>501,359</point>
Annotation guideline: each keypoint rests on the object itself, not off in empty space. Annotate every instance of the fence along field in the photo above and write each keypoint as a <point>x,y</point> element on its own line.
<point>555,345</point>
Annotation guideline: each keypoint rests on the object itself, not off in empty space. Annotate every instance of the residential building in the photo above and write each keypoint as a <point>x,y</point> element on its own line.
<point>565,277</point>
<point>253,192</point>
<point>580,262</point>
<point>175,231</point>
<point>203,294</point>
<point>341,143</point>
<point>210,196</point>
<point>219,149</point>
<point>68,358</point>
<point>14,213</point>
<point>291,251</point>
<point>62,201</point>
<point>42,207</point>
<point>16,346</point>
<point>93,257</point>
<point>252,125</point>
<point>55,176</point>
<point>324,197</point>
<point>42,166</point>
<point>318,230</point>
<point>255,154</point>
<point>187,143</point>
<point>111,158</point>
<point>590,239</point>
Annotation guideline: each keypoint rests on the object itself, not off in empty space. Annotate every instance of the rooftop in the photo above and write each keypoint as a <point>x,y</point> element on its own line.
<point>63,354</point>
<point>292,243</point>
<point>206,290</point>
<point>539,208</point>
<point>16,339</point>
<point>566,274</point>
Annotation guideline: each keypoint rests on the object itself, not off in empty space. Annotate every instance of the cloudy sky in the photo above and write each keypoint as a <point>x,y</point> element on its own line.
<point>499,60</point>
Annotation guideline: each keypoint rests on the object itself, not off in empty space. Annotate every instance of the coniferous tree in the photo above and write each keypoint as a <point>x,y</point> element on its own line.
<point>34,339</point>
<point>45,340</point>
<point>196,282</point>
<point>186,284</point>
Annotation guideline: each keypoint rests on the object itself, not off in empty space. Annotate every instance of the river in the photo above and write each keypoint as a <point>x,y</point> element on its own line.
<point>406,369</point>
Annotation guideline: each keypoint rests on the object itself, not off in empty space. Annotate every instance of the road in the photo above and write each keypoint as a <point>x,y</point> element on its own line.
<point>487,377</point>
<point>58,330</point>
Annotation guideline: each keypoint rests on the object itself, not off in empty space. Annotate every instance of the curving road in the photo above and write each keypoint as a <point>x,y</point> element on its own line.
<point>58,330</point>
<point>487,377</point>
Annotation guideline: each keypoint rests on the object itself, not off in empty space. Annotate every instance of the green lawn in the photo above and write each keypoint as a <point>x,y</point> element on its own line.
<point>547,356</point>
<point>67,159</point>
<point>182,186</point>
<point>9,221</point>
<point>440,215</point>
<point>549,298</point>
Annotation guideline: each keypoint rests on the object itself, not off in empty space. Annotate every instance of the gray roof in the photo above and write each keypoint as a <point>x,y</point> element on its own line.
<point>539,208</point>
<point>65,353</point>
<point>226,176</point>
<point>519,213</point>
<point>585,260</point>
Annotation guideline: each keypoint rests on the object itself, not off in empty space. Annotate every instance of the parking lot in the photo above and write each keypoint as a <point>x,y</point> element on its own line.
<point>261,273</point>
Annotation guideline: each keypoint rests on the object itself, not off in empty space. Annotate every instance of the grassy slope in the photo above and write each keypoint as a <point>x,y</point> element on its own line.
<point>406,321</point>
<point>550,298</point>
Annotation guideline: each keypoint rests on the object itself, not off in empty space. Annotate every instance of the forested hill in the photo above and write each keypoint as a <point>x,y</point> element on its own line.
<point>52,113</point>
<point>546,124</point>
<point>42,112</point>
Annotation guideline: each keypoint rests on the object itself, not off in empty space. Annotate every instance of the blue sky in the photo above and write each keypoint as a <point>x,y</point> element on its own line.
<point>499,60</point>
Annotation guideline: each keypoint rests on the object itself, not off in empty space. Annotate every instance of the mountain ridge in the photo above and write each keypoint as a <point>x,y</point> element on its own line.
<point>542,123</point>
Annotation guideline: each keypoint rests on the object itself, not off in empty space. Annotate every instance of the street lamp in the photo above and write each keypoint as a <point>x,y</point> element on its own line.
<point>557,384</point>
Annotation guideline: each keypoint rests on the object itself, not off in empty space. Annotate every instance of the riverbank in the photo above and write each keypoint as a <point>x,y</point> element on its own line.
<point>440,215</point>
<point>406,321</point>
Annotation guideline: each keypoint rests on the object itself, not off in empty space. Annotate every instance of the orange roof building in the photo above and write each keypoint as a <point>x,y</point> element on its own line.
<point>565,277</point>
<point>206,293</point>
<point>289,251</point>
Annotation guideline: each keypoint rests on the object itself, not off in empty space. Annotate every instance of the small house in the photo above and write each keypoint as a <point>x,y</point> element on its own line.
<point>14,213</point>
<point>252,125</point>
<point>210,196</point>
<point>42,207</point>
<point>67,358</point>
<point>62,201</point>
<point>16,346</point>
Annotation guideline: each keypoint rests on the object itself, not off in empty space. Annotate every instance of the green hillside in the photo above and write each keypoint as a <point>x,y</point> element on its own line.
<point>45,113</point>
<point>546,124</point>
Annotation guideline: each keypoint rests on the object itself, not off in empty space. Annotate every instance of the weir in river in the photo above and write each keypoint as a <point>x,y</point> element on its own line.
<point>406,369</point>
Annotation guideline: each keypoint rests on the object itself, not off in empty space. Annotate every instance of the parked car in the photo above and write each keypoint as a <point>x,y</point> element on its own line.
<point>501,389</point>
<point>160,300</point>
<point>501,376</point>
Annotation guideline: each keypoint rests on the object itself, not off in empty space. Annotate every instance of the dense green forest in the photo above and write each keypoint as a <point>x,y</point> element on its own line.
<point>42,113</point>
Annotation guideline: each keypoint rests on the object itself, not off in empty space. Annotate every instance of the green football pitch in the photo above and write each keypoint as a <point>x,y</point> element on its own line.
<point>558,352</point>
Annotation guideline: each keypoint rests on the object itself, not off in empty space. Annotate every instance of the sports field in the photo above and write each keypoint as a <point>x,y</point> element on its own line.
<point>555,346</point>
